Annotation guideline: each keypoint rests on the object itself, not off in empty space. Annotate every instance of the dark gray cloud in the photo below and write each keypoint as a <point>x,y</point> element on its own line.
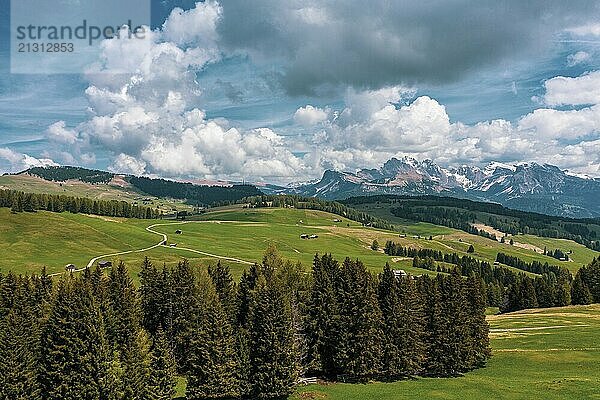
<point>370,44</point>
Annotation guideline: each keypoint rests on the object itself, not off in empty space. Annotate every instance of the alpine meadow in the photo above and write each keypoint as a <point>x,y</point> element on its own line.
<point>234,200</point>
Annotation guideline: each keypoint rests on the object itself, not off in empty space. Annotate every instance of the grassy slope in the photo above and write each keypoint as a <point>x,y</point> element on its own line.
<point>28,241</point>
<point>558,360</point>
<point>486,248</point>
<point>76,188</point>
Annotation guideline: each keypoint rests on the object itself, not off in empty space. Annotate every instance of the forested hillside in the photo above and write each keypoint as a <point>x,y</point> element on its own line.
<point>198,195</point>
<point>61,174</point>
<point>462,214</point>
<point>195,194</point>
<point>30,202</point>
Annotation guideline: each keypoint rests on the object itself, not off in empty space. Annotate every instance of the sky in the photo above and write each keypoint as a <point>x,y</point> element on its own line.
<point>273,91</point>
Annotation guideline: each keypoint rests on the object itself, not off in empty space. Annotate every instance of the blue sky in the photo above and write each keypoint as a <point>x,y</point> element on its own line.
<point>455,82</point>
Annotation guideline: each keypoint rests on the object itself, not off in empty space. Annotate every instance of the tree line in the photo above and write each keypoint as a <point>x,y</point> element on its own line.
<point>504,288</point>
<point>19,201</point>
<point>460,213</point>
<point>313,203</point>
<point>97,336</point>
<point>64,173</point>
<point>194,194</point>
<point>535,266</point>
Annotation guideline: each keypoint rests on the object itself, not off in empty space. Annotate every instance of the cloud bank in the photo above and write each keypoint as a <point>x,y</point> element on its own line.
<point>152,123</point>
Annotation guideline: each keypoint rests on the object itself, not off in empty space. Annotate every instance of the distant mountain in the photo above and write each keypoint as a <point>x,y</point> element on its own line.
<point>525,186</point>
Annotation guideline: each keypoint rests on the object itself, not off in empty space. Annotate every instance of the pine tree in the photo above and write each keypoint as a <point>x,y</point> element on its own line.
<point>411,327</point>
<point>360,352</point>
<point>213,369</point>
<point>435,328</point>
<point>580,293</point>
<point>123,319</point>
<point>73,350</point>
<point>226,289</point>
<point>471,249</point>
<point>162,379</point>
<point>273,357</point>
<point>184,312</point>
<point>135,361</point>
<point>477,326</point>
<point>18,350</point>
<point>324,318</point>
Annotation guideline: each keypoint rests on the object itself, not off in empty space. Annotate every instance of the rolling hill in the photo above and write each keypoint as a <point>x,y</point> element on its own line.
<point>237,235</point>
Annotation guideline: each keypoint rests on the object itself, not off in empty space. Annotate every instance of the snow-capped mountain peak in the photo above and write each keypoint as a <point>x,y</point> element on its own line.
<point>528,186</point>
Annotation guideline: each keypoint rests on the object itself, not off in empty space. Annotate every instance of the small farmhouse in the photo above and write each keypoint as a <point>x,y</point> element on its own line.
<point>105,264</point>
<point>70,268</point>
<point>399,273</point>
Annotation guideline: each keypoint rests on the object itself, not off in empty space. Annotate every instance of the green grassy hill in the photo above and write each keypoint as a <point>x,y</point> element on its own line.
<point>537,354</point>
<point>30,240</point>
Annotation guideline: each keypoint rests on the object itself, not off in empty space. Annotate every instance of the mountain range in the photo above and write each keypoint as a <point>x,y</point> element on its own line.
<point>541,188</point>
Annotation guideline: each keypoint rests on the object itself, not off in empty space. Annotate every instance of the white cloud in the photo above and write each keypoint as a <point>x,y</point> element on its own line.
<point>563,124</point>
<point>581,57</point>
<point>586,30</point>
<point>584,89</point>
<point>126,164</point>
<point>310,115</point>
<point>374,128</point>
<point>58,132</point>
<point>150,120</point>
<point>20,162</point>
<point>197,27</point>
<point>152,123</point>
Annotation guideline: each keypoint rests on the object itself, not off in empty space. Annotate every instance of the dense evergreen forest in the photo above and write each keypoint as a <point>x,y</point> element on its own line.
<point>313,203</point>
<point>461,213</point>
<point>194,194</point>
<point>30,202</point>
<point>99,337</point>
<point>511,291</point>
<point>62,174</point>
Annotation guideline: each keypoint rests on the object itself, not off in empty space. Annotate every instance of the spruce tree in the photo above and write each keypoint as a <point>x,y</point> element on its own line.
<point>273,357</point>
<point>580,293</point>
<point>226,288</point>
<point>73,350</point>
<point>18,349</point>
<point>162,379</point>
<point>123,319</point>
<point>360,347</point>
<point>135,361</point>
<point>435,327</point>
<point>324,317</point>
<point>150,296</point>
<point>478,349</point>
<point>184,312</point>
<point>411,327</point>
<point>213,369</point>
<point>389,303</point>
<point>454,319</point>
